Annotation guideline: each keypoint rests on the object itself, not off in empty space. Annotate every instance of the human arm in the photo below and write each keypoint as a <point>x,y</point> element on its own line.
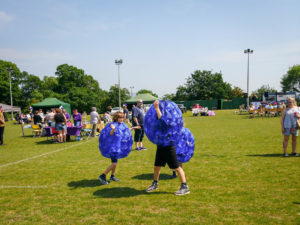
<point>112,129</point>
<point>156,106</point>
<point>282,120</point>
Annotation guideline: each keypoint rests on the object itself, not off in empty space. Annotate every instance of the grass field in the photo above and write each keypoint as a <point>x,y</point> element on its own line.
<point>236,176</point>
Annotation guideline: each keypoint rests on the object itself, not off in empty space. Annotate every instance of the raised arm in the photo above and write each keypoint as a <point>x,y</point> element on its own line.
<point>156,106</point>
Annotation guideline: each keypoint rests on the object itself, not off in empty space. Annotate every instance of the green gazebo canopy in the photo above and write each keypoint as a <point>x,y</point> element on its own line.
<point>49,103</point>
<point>147,99</point>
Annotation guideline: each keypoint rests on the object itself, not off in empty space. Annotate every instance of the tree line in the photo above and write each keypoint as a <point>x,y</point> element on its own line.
<point>72,85</point>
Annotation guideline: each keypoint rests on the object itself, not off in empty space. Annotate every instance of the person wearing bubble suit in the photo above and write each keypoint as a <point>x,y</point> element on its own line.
<point>115,142</point>
<point>185,145</point>
<point>163,131</point>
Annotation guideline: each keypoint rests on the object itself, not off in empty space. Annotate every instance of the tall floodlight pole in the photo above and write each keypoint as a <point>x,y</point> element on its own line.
<point>118,62</point>
<point>131,87</point>
<point>10,90</point>
<point>248,51</point>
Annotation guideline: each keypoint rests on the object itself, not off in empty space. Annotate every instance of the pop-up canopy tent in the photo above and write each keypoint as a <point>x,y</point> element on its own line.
<point>49,103</point>
<point>8,108</point>
<point>147,99</point>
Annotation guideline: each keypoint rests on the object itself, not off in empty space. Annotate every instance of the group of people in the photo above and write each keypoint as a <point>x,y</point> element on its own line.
<point>166,153</point>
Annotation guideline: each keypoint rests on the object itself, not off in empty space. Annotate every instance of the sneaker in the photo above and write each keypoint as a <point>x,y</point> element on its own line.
<point>285,155</point>
<point>152,187</point>
<point>184,189</point>
<point>143,148</point>
<point>138,149</point>
<point>295,154</point>
<point>102,180</point>
<point>113,178</point>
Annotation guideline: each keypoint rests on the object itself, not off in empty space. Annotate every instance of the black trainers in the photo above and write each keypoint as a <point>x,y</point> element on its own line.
<point>152,187</point>
<point>102,179</point>
<point>113,178</point>
<point>295,154</point>
<point>184,189</point>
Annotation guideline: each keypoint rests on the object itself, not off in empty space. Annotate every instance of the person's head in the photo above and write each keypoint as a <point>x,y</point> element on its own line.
<point>75,111</point>
<point>118,117</point>
<point>58,110</point>
<point>53,110</point>
<point>64,111</point>
<point>139,103</point>
<point>125,106</point>
<point>40,110</point>
<point>94,109</point>
<point>1,109</point>
<point>36,112</point>
<point>291,102</point>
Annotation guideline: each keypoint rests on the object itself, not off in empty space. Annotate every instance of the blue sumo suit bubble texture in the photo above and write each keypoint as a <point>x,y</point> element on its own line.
<point>163,131</point>
<point>119,144</point>
<point>185,145</point>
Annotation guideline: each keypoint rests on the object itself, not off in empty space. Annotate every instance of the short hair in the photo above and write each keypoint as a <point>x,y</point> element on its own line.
<point>36,112</point>
<point>58,110</point>
<point>94,109</point>
<point>118,115</point>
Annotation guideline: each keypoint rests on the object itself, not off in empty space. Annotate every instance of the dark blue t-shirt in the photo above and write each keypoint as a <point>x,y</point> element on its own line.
<point>139,114</point>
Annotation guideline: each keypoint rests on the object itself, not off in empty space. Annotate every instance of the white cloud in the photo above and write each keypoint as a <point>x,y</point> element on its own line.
<point>5,18</point>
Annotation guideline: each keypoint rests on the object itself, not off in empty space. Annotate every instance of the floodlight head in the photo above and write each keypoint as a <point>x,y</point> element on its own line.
<point>118,62</point>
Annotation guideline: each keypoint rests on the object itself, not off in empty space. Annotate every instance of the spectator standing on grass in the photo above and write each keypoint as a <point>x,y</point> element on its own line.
<point>138,115</point>
<point>2,125</point>
<point>289,125</point>
<point>67,115</point>
<point>77,118</point>
<point>126,113</point>
<point>60,126</point>
<point>94,121</point>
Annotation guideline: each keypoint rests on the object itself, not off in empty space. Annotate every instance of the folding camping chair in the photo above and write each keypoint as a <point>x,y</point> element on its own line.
<point>36,130</point>
<point>87,130</point>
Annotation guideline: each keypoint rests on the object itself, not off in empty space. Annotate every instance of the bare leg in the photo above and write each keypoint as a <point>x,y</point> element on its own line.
<point>181,174</point>
<point>156,172</point>
<point>294,143</point>
<point>108,169</point>
<point>285,143</point>
<point>141,144</point>
<point>113,170</point>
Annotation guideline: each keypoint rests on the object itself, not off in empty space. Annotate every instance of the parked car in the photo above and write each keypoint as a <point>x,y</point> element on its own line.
<point>196,106</point>
<point>116,109</point>
<point>182,108</point>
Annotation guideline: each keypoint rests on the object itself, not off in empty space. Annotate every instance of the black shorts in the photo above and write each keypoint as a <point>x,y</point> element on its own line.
<point>113,160</point>
<point>139,134</point>
<point>166,154</point>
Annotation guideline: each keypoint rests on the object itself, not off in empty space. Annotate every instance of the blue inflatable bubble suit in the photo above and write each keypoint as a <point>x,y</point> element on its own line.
<point>163,131</point>
<point>119,144</point>
<point>185,145</point>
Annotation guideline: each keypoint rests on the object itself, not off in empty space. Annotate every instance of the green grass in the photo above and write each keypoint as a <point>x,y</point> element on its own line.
<point>236,176</point>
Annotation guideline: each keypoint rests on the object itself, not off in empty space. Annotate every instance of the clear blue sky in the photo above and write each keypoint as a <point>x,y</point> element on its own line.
<point>160,41</point>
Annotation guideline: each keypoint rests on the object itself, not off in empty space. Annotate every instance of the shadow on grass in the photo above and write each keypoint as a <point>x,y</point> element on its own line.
<point>296,203</point>
<point>149,176</point>
<point>84,183</point>
<point>267,155</point>
<point>121,192</point>
<point>50,141</point>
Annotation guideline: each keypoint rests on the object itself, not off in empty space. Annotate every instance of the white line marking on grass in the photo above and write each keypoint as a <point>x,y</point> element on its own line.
<point>37,156</point>
<point>11,186</point>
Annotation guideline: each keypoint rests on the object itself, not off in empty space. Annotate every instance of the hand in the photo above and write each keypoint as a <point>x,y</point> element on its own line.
<point>112,126</point>
<point>156,104</point>
<point>282,130</point>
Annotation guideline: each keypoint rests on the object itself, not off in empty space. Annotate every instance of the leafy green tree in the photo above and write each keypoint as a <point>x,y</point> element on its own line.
<point>16,78</point>
<point>77,88</point>
<point>112,98</point>
<point>260,91</point>
<point>145,91</point>
<point>204,85</point>
<point>237,92</point>
<point>291,80</point>
<point>170,97</point>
